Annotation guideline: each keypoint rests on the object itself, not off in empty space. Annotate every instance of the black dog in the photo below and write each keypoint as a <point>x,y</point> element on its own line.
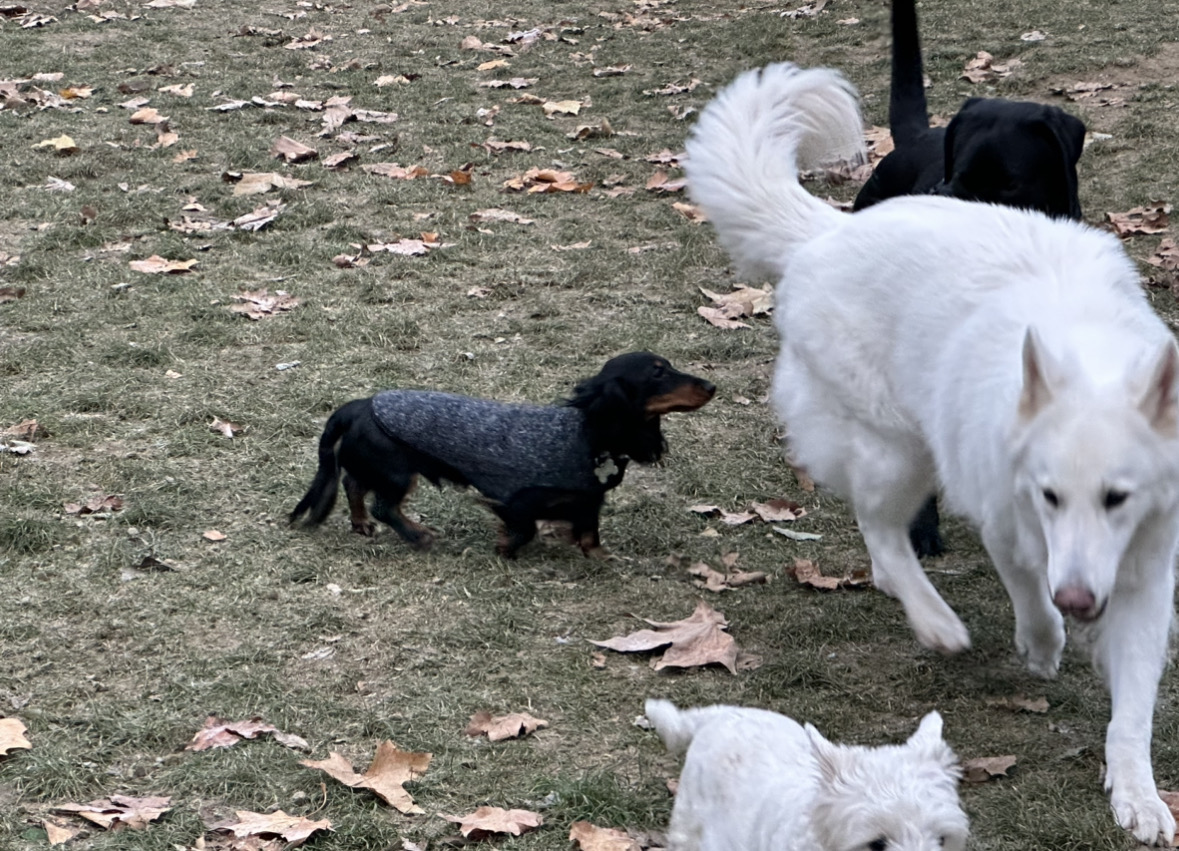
<point>998,151</point>
<point>530,462</point>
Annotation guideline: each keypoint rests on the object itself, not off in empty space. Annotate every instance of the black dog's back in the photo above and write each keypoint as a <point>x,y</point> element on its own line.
<point>1018,154</point>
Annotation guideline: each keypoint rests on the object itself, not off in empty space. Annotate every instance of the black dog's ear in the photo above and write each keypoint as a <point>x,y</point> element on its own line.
<point>1068,132</point>
<point>951,140</point>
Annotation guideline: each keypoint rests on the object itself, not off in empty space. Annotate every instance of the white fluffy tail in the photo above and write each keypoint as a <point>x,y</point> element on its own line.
<point>676,727</point>
<point>746,150</point>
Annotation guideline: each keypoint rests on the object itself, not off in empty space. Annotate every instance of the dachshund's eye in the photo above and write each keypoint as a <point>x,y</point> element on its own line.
<point>659,369</point>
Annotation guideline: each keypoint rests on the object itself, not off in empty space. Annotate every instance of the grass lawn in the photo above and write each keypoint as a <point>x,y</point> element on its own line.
<point>123,628</point>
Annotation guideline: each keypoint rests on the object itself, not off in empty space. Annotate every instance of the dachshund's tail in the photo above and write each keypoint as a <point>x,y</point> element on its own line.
<point>320,498</point>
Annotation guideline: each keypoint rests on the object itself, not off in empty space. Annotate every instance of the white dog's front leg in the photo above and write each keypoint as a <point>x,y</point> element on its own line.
<point>1130,650</point>
<point>1039,627</point>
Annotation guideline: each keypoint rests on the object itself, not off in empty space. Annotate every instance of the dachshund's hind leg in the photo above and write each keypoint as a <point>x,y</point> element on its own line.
<point>387,508</point>
<point>356,492</point>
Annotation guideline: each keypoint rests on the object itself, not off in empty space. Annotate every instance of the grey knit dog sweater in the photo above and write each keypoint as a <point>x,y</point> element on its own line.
<point>500,448</point>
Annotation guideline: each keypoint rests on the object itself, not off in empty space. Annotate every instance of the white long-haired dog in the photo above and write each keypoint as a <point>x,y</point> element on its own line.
<point>758,781</point>
<point>1007,357</point>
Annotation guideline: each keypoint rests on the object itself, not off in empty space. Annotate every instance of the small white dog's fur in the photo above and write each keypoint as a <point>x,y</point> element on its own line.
<point>1008,358</point>
<point>757,781</point>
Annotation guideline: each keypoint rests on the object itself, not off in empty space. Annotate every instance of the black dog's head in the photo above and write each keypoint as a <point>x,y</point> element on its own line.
<point>623,403</point>
<point>1014,153</point>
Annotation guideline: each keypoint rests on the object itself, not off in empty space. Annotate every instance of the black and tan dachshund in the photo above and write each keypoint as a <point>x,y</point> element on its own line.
<point>530,462</point>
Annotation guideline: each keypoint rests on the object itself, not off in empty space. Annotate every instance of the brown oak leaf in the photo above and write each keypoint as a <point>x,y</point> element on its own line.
<point>120,811</point>
<point>499,727</point>
<point>984,768</point>
<point>12,735</point>
<point>218,733</point>
<point>807,573</point>
<point>699,639</point>
<point>590,837</point>
<point>390,768</point>
<point>294,829</point>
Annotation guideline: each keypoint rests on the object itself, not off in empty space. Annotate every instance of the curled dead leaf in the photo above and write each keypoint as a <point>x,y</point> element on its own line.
<point>699,639</point>
<point>984,768</point>
<point>486,821</point>
<point>511,726</point>
<point>806,572</point>
<point>12,736</point>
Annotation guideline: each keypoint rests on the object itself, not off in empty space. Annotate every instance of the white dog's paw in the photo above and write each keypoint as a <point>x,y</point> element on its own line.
<point>1041,654</point>
<point>938,628</point>
<point>1145,815</point>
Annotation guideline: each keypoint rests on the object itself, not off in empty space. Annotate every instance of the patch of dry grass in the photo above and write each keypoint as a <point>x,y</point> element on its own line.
<point>347,641</point>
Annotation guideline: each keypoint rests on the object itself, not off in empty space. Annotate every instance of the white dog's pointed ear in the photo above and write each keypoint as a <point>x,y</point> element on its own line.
<point>929,731</point>
<point>1160,404</point>
<point>1036,393</point>
<point>928,741</point>
<point>826,754</point>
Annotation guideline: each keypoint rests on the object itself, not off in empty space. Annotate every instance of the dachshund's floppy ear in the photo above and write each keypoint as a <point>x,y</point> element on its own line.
<point>1068,132</point>
<point>615,418</point>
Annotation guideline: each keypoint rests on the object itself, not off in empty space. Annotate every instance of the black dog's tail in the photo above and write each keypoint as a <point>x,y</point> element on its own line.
<point>320,498</point>
<point>908,114</point>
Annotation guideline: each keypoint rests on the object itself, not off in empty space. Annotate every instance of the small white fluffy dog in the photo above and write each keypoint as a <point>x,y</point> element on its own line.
<point>1007,357</point>
<point>757,781</point>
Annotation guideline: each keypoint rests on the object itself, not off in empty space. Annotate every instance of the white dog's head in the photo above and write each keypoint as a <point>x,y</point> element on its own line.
<point>891,798</point>
<point>1094,465</point>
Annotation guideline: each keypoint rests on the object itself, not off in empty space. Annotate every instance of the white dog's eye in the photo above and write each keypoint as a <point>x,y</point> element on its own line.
<point>1051,498</point>
<point>878,844</point>
<point>1114,498</point>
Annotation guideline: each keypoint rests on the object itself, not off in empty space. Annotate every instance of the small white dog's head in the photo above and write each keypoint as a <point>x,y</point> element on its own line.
<point>890,798</point>
<point>1094,464</point>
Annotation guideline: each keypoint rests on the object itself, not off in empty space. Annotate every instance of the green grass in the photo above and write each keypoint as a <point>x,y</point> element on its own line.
<point>113,671</point>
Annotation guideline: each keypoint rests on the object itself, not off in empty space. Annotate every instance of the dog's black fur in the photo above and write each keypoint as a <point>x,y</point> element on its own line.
<point>997,151</point>
<point>620,410</point>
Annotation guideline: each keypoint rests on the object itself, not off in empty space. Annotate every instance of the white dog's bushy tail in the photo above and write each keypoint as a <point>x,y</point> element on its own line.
<point>746,150</point>
<point>675,726</point>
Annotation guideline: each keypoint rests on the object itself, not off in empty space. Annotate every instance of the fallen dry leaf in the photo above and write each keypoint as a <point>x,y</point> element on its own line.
<point>58,834</point>
<point>12,736</point>
<point>213,535</point>
<point>729,518</point>
<point>260,216</point>
<point>218,733</point>
<point>495,214</point>
<point>97,504</point>
<point>1020,703</point>
<point>537,180</point>
<point>729,308</point>
<point>396,171</point>
<point>62,145</point>
<point>147,115</point>
<point>184,156</point>
<point>511,726</point>
<point>1166,256</point>
<point>495,146</point>
<point>11,293</point>
<point>699,639</point>
<point>157,265</point>
<point>715,581</point>
<point>982,67</point>
<point>179,90</point>
<point>778,510</point>
<point>1152,218</point>
<point>675,88</point>
<point>120,811</point>
<point>260,304</point>
<point>590,837</point>
<point>661,182</point>
<point>24,430</point>
<point>612,70</point>
<point>255,183</point>
<point>390,768</point>
<point>805,572</point>
<point>486,821</point>
<point>341,160</point>
<point>294,829</point>
<point>288,150</point>
<point>562,107</point>
<point>984,768</point>
<point>690,212</point>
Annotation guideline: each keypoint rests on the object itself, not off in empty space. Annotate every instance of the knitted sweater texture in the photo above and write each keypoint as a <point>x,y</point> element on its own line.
<point>500,448</point>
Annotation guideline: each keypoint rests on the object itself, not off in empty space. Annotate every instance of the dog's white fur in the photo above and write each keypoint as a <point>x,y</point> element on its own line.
<point>758,781</point>
<point>1009,358</point>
